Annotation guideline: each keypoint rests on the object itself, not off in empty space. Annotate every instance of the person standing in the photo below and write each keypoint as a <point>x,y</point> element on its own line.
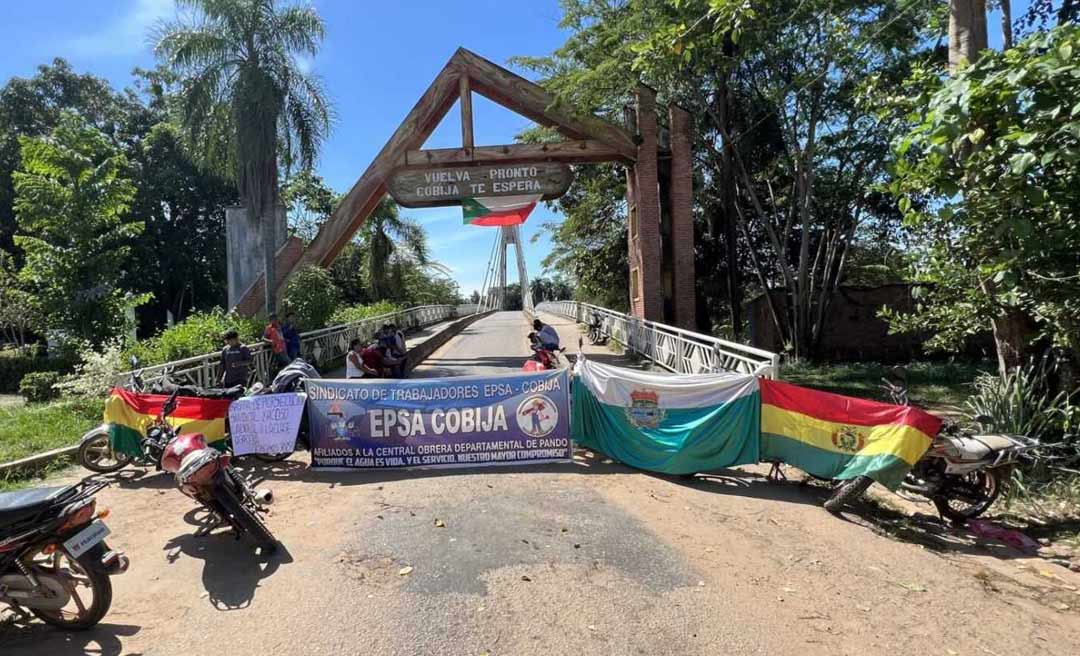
<point>235,364</point>
<point>292,336</point>
<point>272,334</point>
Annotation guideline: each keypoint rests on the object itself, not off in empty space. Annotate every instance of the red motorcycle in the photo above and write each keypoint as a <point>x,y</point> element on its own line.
<point>204,474</point>
<point>543,359</point>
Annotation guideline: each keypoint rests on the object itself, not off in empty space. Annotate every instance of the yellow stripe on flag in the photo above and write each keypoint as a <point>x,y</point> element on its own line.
<point>903,441</point>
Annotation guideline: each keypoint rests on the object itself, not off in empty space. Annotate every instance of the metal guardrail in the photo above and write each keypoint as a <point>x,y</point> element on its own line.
<point>317,346</point>
<point>675,349</point>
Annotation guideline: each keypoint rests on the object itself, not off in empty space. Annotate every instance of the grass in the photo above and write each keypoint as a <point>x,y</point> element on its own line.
<point>36,428</point>
<point>929,383</point>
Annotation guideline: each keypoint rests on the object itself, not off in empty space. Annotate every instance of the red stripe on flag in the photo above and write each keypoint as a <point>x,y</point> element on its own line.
<point>506,217</point>
<point>187,407</point>
<point>842,409</point>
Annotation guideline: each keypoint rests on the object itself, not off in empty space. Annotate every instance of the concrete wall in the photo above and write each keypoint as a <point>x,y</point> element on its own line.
<point>243,249</point>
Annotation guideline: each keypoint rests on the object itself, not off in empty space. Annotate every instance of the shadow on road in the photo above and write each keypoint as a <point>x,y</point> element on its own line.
<point>232,568</point>
<point>38,638</point>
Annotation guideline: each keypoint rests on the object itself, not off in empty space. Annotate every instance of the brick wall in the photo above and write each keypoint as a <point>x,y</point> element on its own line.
<point>682,219</point>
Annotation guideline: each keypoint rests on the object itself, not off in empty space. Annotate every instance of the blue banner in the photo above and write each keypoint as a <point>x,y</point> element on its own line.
<point>465,421</point>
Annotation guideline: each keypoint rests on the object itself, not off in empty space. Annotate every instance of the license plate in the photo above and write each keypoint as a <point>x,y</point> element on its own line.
<point>86,538</point>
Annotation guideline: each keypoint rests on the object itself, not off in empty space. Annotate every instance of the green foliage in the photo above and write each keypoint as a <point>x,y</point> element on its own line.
<point>20,311</point>
<point>40,386</point>
<point>72,199</point>
<point>934,382</point>
<point>989,181</point>
<point>310,203</point>
<point>1020,402</point>
<point>16,363</point>
<point>97,371</point>
<point>311,294</point>
<point>31,429</point>
<point>198,334</point>
<point>353,313</point>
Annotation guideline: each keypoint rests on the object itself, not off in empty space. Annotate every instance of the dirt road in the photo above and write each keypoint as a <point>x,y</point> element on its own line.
<point>582,558</point>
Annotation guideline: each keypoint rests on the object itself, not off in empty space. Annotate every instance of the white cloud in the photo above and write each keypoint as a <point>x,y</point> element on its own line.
<point>129,34</point>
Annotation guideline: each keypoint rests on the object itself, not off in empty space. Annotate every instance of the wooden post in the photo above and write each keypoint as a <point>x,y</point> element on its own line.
<point>466,112</point>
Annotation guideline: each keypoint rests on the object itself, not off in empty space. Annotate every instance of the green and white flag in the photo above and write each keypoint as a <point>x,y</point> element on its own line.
<point>667,423</point>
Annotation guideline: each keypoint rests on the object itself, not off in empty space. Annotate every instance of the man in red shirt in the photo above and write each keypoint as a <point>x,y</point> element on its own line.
<point>272,334</point>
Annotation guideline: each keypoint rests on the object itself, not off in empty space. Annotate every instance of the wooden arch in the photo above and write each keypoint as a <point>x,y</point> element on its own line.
<point>588,139</point>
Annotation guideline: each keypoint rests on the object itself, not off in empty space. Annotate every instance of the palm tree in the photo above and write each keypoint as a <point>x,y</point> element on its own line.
<point>242,86</point>
<point>389,238</point>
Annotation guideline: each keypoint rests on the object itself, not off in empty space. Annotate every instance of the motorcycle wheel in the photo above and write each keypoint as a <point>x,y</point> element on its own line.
<point>848,492</point>
<point>978,491</point>
<point>97,454</point>
<point>82,617</point>
<point>242,518</point>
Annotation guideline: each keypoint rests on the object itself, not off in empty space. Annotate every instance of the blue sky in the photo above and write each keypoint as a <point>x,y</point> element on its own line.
<point>377,60</point>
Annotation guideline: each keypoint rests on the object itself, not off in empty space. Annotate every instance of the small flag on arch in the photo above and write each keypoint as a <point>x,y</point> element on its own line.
<point>499,211</point>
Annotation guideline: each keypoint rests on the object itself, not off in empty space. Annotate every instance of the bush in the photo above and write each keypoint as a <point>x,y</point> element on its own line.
<point>1020,403</point>
<point>312,295</point>
<point>97,372</point>
<point>198,334</point>
<point>16,363</point>
<point>39,386</point>
<point>352,313</point>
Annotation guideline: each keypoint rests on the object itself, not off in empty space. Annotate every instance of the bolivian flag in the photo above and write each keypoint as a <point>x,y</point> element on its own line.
<point>840,437</point>
<point>500,211</point>
<point>128,416</point>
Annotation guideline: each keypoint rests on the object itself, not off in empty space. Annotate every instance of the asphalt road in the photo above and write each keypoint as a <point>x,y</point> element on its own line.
<point>587,557</point>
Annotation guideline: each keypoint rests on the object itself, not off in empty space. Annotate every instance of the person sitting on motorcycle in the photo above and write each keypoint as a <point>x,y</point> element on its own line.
<point>544,336</point>
<point>394,341</point>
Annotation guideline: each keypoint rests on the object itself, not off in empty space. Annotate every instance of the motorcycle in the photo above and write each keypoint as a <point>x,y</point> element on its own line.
<point>962,474</point>
<point>543,359</point>
<point>52,544</point>
<point>98,453</point>
<point>206,475</point>
<point>596,330</point>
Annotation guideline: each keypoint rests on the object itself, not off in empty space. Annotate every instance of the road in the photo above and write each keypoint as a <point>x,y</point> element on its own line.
<point>583,558</point>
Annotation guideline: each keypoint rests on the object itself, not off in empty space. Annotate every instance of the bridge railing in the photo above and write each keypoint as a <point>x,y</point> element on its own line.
<point>675,349</point>
<point>316,346</point>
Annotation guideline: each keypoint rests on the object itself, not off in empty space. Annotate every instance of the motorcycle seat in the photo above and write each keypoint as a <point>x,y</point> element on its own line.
<point>977,447</point>
<point>22,504</point>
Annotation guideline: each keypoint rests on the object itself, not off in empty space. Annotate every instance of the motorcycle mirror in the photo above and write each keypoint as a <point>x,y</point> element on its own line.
<point>983,419</point>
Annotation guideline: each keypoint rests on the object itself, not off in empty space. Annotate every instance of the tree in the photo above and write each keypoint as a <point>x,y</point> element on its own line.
<point>20,312</point>
<point>967,31</point>
<point>312,295</point>
<point>72,199</point>
<point>776,90</point>
<point>989,178</point>
<point>238,62</point>
<point>309,202</point>
<point>389,238</point>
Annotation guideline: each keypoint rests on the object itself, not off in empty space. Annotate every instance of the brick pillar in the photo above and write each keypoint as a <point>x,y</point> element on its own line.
<point>643,196</point>
<point>682,219</point>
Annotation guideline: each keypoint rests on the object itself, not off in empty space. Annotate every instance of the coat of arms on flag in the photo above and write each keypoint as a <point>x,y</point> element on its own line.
<point>645,410</point>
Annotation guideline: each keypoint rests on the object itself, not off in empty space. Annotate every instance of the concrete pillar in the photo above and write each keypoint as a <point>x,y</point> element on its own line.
<point>643,200</point>
<point>681,189</point>
<point>243,249</point>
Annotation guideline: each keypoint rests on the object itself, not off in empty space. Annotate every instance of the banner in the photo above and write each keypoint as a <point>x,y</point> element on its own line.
<point>665,423</point>
<point>834,436</point>
<point>265,423</point>
<point>464,421</point>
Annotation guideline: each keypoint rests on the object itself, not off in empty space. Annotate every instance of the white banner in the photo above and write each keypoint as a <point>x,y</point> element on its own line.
<point>265,423</point>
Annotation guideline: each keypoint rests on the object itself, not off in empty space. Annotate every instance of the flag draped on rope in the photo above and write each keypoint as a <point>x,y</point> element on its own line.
<point>498,211</point>
<point>841,437</point>
<point>669,424</point>
<point>129,414</point>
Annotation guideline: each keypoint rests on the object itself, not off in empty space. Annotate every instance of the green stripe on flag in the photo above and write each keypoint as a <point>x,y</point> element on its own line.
<point>887,469</point>
<point>126,440</point>
<point>472,210</point>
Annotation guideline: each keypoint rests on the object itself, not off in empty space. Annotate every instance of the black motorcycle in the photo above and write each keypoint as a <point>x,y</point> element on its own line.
<point>596,330</point>
<point>54,562</point>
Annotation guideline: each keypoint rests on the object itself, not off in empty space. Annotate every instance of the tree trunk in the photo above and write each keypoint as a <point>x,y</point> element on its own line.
<point>967,31</point>
<point>728,200</point>
<point>269,235</point>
